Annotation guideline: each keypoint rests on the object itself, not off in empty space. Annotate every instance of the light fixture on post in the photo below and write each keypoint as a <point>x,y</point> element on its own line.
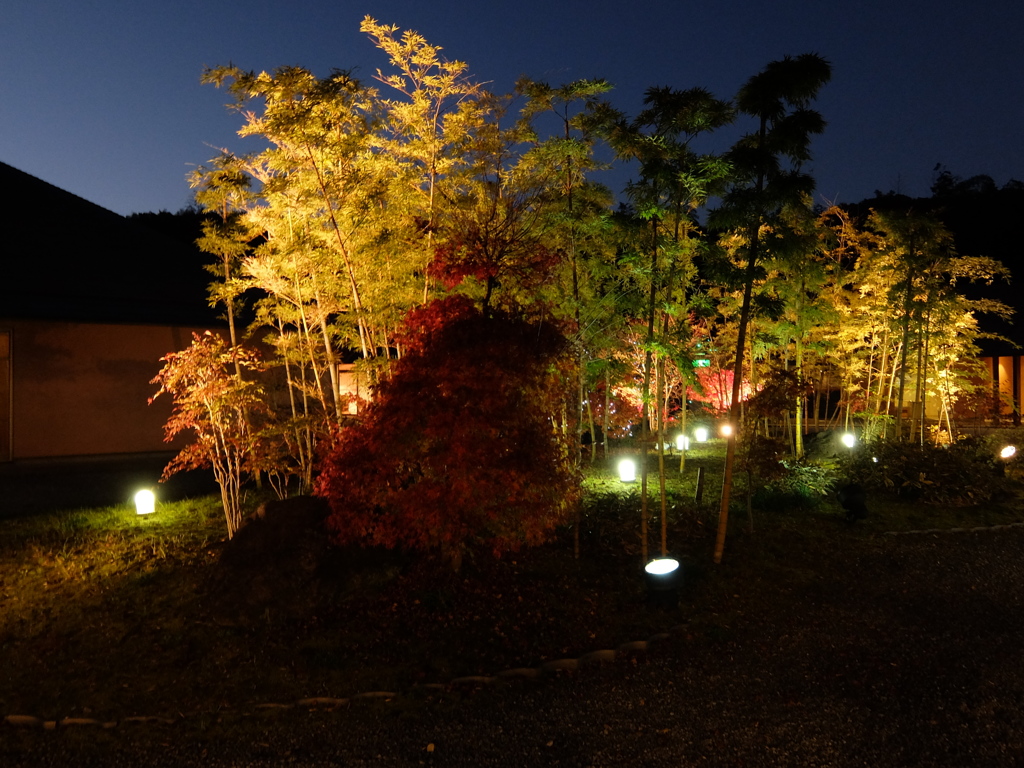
<point>726,430</point>
<point>145,502</point>
<point>627,470</point>
<point>662,576</point>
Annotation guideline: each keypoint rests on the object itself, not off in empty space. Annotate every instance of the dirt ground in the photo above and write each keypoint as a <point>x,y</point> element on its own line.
<point>889,650</point>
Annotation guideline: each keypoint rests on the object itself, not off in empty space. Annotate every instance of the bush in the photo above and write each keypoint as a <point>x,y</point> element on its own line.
<point>460,447</point>
<point>802,485</point>
<point>963,473</point>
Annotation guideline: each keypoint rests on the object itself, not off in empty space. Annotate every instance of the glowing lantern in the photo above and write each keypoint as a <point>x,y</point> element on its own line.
<point>662,577</point>
<point>1008,452</point>
<point>701,434</point>
<point>682,443</point>
<point>145,502</point>
<point>663,566</point>
<point>726,430</point>
<point>848,439</point>
<point>627,470</point>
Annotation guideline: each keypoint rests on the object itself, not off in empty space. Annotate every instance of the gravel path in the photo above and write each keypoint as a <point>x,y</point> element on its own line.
<point>907,653</point>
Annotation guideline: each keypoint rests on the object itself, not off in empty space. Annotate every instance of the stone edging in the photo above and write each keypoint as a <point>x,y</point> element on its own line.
<point>519,673</point>
<point>978,529</point>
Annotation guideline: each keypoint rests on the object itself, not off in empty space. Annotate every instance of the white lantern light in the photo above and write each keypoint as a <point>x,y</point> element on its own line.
<point>145,502</point>
<point>701,434</point>
<point>662,576</point>
<point>1008,452</point>
<point>849,440</point>
<point>662,566</point>
<point>726,430</point>
<point>627,470</point>
<point>682,443</point>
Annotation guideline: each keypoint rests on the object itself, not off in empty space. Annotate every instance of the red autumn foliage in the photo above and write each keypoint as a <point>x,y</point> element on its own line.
<point>458,448</point>
<point>716,388</point>
<point>218,408</point>
<point>493,260</point>
<point>453,263</point>
<point>423,323</point>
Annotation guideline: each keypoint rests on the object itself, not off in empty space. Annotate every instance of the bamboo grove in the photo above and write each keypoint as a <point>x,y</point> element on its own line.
<point>715,280</point>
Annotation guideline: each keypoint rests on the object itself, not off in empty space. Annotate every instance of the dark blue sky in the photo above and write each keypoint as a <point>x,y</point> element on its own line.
<point>102,97</point>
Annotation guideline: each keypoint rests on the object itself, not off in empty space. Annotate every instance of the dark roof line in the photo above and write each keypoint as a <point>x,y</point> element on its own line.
<point>65,258</point>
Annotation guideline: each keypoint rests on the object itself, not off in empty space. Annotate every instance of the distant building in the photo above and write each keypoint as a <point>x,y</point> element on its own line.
<point>89,303</point>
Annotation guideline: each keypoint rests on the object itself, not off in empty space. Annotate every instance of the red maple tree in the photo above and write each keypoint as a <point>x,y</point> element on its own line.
<point>459,448</point>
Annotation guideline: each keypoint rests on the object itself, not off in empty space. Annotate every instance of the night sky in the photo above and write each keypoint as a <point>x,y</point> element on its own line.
<point>102,97</point>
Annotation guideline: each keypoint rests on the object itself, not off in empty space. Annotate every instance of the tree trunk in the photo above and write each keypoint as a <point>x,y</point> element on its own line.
<point>882,370</point>
<point>800,399</point>
<point>903,355</point>
<point>922,374</point>
<point>604,414</point>
<point>734,408</point>
<point>593,432</point>
<point>682,427</point>
<point>661,455</point>
<point>645,416</point>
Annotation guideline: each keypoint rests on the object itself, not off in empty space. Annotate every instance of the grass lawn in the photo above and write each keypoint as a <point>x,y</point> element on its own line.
<point>108,615</point>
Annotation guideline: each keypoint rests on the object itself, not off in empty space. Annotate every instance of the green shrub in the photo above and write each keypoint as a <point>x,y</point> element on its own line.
<point>801,485</point>
<point>960,474</point>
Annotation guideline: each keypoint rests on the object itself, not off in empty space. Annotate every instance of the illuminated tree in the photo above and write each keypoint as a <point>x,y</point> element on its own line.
<point>802,279</point>
<point>575,211</point>
<point>916,275</point>
<point>318,213</point>
<point>224,189</point>
<point>218,408</point>
<point>674,181</point>
<point>429,132</point>
<point>767,178</point>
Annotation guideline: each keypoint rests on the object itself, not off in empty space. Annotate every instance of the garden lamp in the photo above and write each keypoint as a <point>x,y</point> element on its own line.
<point>145,502</point>
<point>627,470</point>
<point>662,576</point>
<point>701,434</point>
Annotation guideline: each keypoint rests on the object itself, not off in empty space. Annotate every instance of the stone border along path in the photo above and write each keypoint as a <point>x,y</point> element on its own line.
<point>978,529</point>
<point>519,673</point>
